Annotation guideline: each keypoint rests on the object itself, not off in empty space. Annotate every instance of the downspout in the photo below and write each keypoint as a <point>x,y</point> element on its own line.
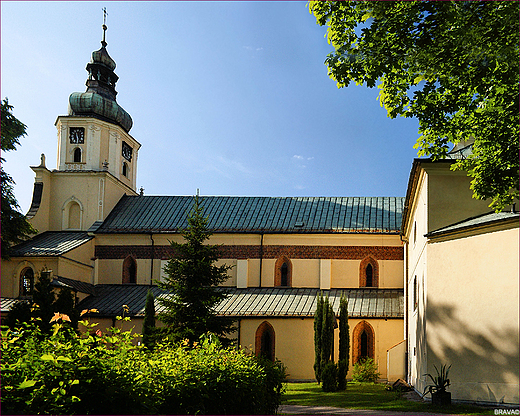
<point>152,259</point>
<point>261,257</point>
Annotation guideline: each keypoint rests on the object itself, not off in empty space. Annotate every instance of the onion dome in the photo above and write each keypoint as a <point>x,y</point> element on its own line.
<point>99,100</point>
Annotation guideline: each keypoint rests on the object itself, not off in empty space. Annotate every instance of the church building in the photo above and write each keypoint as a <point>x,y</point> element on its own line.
<point>430,278</point>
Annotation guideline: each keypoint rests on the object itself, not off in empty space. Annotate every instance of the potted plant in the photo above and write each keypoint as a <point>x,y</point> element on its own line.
<point>438,387</point>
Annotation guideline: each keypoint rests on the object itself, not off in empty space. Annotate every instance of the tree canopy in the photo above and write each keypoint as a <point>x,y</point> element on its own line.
<point>452,65</point>
<point>192,279</point>
<point>15,227</point>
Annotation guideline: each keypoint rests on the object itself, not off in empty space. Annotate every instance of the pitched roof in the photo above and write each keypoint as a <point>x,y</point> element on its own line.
<point>251,302</point>
<point>75,285</point>
<point>490,218</point>
<point>168,214</point>
<point>51,243</point>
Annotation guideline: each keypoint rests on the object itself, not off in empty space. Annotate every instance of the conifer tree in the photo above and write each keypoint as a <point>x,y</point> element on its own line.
<point>192,280</point>
<point>327,333</point>
<point>318,327</point>
<point>15,227</point>
<point>344,344</point>
<point>44,297</point>
<point>149,320</point>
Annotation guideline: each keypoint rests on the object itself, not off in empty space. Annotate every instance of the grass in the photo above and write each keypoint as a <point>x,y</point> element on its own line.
<point>369,396</point>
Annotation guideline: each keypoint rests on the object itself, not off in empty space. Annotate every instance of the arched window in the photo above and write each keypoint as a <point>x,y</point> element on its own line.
<point>77,155</point>
<point>125,169</point>
<point>369,272</point>
<point>129,270</point>
<point>283,272</point>
<point>264,341</point>
<point>26,282</point>
<point>363,342</point>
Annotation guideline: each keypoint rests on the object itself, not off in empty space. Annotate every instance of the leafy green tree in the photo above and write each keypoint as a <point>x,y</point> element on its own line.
<point>451,64</point>
<point>15,227</point>
<point>192,280</point>
<point>318,327</point>
<point>149,320</point>
<point>344,344</point>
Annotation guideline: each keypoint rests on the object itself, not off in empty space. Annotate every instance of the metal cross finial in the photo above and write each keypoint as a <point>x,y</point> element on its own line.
<point>103,42</point>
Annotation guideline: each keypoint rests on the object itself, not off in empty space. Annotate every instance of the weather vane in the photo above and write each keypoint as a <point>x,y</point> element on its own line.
<point>103,42</point>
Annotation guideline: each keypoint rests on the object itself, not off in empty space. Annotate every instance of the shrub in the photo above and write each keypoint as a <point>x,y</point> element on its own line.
<point>329,377</point>
<point>97,373</point>
<point>365,370</point>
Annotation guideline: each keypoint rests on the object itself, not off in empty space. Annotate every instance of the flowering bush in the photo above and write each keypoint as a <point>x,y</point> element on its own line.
<point>97,373</point>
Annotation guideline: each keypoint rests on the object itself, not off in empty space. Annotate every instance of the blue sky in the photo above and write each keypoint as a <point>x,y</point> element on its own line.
<point>232,98</point>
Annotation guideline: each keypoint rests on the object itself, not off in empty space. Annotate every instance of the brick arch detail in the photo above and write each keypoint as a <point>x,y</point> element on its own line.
<point>127,264</point>
<point>363,272</point>
<point>278,271</point>
<point>356,338</point>
<point>262,328</point>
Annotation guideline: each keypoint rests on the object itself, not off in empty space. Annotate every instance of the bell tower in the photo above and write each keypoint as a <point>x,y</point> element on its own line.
<point>97,157</point>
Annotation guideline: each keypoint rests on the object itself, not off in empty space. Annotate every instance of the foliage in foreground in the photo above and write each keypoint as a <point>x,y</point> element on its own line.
<point>98,373</point>
<point>365,371</point>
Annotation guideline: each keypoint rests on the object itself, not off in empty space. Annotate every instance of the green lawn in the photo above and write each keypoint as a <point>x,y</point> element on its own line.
<point>368,396</point>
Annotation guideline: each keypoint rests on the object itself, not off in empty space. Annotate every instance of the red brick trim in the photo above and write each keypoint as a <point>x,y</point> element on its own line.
<point>254,252</point>
<point>278,271</point>
<point>363,272</point>
<point>356,338</point>
<point>263,328</point>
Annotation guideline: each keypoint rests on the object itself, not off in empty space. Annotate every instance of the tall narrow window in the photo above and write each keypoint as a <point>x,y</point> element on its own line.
<point>129,270</point>
<point>283,272</point>
<point>364,345</point>
<point>369,272</point>
<point>125,169</point>
<point>26,282</point>
<point>77,155</point>
<point>264,341</point>
<point>363,342</point>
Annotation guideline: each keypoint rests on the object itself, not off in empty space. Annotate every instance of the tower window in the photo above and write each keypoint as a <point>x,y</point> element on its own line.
<point>77,155</point>
<point>26,282</point>
<point>125,169</point>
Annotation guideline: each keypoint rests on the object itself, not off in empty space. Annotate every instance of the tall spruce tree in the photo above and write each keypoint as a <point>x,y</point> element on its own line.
<point>344,344</point>
<point>15,227</point>
<point>318,327</point>
<point>192,280</point>
<point>149,321</point>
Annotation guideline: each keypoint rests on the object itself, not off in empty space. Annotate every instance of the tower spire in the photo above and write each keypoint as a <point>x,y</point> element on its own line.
<point>103,42</point>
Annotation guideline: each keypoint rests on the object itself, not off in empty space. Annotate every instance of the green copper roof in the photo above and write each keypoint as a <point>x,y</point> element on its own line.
<point>254,302</point>
<point>168,214</point>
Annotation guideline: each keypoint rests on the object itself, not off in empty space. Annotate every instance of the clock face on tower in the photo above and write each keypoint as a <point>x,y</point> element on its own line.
<point>127,152</point>
<point>77,135</point>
